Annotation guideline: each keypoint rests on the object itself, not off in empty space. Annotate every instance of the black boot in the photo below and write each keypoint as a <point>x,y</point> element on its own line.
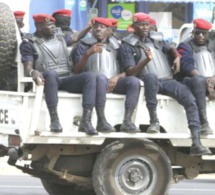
<point>86,125</point>
<point>102,124</point>
<point>127,125</point>
<point>154,122</point>
<point>197,149</point>
<point>205,128</point>
<point>55,125</point>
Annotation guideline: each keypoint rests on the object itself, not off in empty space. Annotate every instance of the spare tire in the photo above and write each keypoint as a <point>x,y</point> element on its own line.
<point>8,41</point>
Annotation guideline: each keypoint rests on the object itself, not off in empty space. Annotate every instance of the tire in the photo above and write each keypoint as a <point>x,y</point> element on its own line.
<point>8,42</point>
<point>60,189</point>
<point>8,46</point>
<point>131,167</point>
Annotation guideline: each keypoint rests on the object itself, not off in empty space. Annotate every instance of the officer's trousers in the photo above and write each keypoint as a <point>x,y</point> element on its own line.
<point>198,86</point>
<point>129,86</point>
<point>176,90</point>
<point>84,83</point>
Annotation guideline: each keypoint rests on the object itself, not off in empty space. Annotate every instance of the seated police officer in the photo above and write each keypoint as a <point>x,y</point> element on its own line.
<point>145,57</point>
<point>45,59</point>
<point>198,68</point>
<point>99,54</point>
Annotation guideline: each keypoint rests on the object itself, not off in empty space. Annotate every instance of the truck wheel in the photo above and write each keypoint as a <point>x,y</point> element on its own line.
<point>8,42</point>
<point>131,167</point>
<point>60,189</point>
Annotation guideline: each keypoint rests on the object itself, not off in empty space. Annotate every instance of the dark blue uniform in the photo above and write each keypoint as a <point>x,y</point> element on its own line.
<point>198,83</point>
<point>129,86</point>
<point>170,87</point>
<point>84,83</point>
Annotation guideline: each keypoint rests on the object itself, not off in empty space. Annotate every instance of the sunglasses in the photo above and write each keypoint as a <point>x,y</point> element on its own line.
<point>198,32</point>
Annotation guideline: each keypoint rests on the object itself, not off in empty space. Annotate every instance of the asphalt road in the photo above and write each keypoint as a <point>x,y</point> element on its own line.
<point>26,185</point>
<point>14,182</point>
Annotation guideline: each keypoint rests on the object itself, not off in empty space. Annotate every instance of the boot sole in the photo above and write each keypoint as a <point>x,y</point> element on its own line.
<point>207,133</point>
<point>200,154</point>
<point>106,131</point>
<point>91,133</point>
<point>152,131</point>
<point>56,131</point>
<point>131,131</point>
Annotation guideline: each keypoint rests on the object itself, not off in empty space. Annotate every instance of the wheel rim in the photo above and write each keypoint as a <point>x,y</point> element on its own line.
<point>135,175</point>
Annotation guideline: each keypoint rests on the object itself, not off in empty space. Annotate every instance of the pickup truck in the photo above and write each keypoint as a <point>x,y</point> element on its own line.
<point>117,163</point>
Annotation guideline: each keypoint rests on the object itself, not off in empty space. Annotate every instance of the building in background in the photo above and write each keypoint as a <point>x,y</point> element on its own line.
<point>169,14</point>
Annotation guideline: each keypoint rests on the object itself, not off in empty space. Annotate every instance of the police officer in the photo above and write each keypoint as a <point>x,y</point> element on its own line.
<point>198,68</point>
<point>45,59</point>
<point>136,54</point>
<point>99,54</point>
<point>19,16</point>
<point>63,20</point>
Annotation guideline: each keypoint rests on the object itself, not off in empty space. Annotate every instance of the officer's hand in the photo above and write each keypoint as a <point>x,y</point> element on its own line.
<point>176,65</point>
<point>211,93</point>
<point>210,88</point>
<point>211,81</point>
<point>90,23</point>
<point>97,48</point>
<point>148,54</point>
<point>38,77</point>
<point>112,83</point>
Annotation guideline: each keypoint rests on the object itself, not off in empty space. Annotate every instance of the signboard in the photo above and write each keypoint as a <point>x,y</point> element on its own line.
<point>123,13</point>
<point>204,10</point>
<point>83,5</point>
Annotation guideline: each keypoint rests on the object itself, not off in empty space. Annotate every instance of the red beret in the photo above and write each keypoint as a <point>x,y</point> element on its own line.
<point>43,18</point>
<point>202,24</point>
<point>19,14</point>
<point>63,12</point>
<point>141,17</point>
<point>104,21</point>
<point>152,22</point>
<point>113,21</point>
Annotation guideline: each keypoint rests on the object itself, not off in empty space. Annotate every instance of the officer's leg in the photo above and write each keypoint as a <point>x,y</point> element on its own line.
<point>198,86</point>
<point>101,91</point>
<point>84,83</point>
<point>129,86</point>
<point>184,96</point>
<point>151,86</point>
<point>51,97</point>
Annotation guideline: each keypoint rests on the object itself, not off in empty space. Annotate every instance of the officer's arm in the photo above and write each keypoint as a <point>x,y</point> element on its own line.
<point>127,60</point>
<point>80,35</point>
<point>36,75</point>
<point>28,51</point>
<point>135,70</point>
<point>121,75</point>
<point>195,72</point>
<point>176,59</point>
<point>175,53</point>
<point>187,60</point>
<point>80,66</point>
<point>83,52</point>
<point>28,68</point>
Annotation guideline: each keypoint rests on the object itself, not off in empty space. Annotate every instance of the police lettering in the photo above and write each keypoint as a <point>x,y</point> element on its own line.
<point>3,116</point>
